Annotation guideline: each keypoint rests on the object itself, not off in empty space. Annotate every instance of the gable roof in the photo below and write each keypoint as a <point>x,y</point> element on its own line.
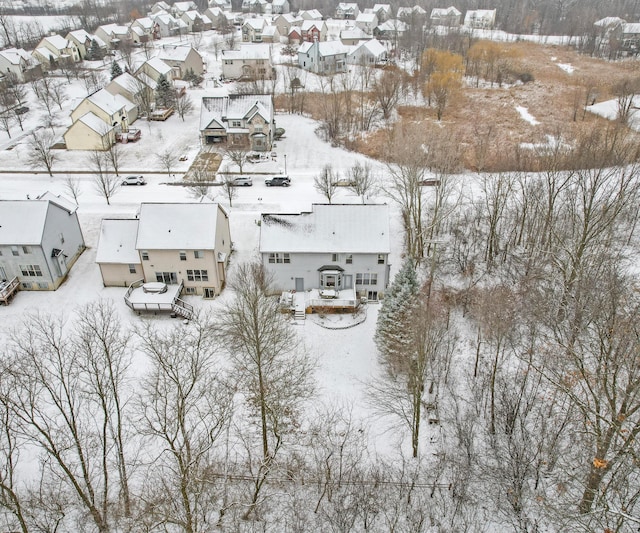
<point>158,65</point>
<point>61,201</point>
<point>235,106</point>
<point>171,226</point>
<point>248,51</point>
<point>95,123</point>
<point>445,12</point>
<point>109,103</point>
<point>325,48</point>
<point>16,55</point>
<point>339,228</point>
<point>22,221</point>
<point>117,241</point>
<point>57,41</point>
<point>176,53</point>
<point>373,46</point>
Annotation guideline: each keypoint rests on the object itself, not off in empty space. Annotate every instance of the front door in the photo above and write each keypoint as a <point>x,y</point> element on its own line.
<point>348,281</point>
<point>299,284</point>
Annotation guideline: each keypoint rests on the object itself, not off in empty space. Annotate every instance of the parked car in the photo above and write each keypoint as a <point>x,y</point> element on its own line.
<point>134,180</point>
<point>243,181</point>
<point>278,181</point>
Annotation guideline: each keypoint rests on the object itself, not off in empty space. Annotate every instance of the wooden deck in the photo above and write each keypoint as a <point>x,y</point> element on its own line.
<point>153,302</point>
<point>8,290</point>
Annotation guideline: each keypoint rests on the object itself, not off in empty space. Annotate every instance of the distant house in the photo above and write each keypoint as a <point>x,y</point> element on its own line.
<point>280,7</point>
<point>382,11</point>
<point>159,7</point>
<point>285,22</point>
<point>218,17</point>
<point>449,16</point>
<point>177,244</point>
<point>310,14</point>
<point>367,22</point>
<point>238,120</point>
<point>40,240</point>
<point>347,11</point>
<point>334,248</point>
<point>313,30</point>
<point>60,48</point>
<point>19,63</point>
<point>113,34</point>
<point>225,5</point>
<point>182,59</point>
<point>295,35</point>
<point>368,53</point>
<point>630,38</point>
<point>252,30</point>
<point>270,34</point>
<point>154,68</point>
<point>196,22</point>
<point>180,8</point>
<point>328,57</point>
<point>251,62</point>
<point>353,37</point>
<point>481,19</point>
<point>144,30</point>
<point>168,25</point>
<point>83,40</point>
<point>410,13</point>
<point>254,6</point>
<point>390,30</point>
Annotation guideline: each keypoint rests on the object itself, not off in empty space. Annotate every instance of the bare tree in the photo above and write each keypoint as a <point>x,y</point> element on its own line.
<point>7,116</point>
<point>362,180</point>
<point>105,183</point>
<point>58,92</point>
<point>388,90</point>
<point>326,183</point>
<point>72,186</point>
<point>183,105</point>
<point>238,155</point>
<point>167,159</point>
<point>115,155</point>
<point>41,152</point>
<point>185,405</point>
<point>229,188</point>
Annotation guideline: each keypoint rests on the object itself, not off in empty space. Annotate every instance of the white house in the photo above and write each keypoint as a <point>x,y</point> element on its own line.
<point>113,34</point>
<point>383,11</point>
<point>391,30</point>
<point>480,18</point>
<point>310,14</point>
<point>19,63</point>
<point>334,247</point>
<point>327,57</point>
<point>347,10</point>
<point>368,53</point>
<point>280,7</point>
<point>61,48</point>
<point>40,240</point>
<point>82,39</point>
<point>367,22</point>
<point>168,25</point>
<point>445,16</point>
<point>180,8</point>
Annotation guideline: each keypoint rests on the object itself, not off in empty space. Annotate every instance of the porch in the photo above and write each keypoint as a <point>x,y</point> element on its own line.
<point>157,297</point>
<point>319,301</point>
<point>8,289</point>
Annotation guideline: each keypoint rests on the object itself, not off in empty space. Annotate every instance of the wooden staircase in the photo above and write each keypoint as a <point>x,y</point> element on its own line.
<point>299,306</point>
<point>182,308</point>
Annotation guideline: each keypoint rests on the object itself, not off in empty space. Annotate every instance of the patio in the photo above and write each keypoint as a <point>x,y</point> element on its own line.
<point>150,298</point>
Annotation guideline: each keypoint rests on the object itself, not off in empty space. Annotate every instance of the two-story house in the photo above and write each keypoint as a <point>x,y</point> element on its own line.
<point>482,19</point>
<point>239,120</point>
<point>383,11</point>
<point>252,30</point>
<point>279,7</point>
<point>40,240</point>
<point>113,34</point>
<point>184,244</point>
<point>83,39</point>
<point>182,59</point>
<point>20,64</point>
<point>445,16</point>
<point>56,48</point>
<point>310,14</point>
<point>251,62</point>
<point>347,11</point>
<point>369,53</point>
<point>144,30</point>
<point>367,22</point>
<point>218,17</point>
<point>168,26</point>
<point>196,22</point>
<point>329,57</point>
<point>391,30</point>
<point>313,30</point>
<point>334,247</point>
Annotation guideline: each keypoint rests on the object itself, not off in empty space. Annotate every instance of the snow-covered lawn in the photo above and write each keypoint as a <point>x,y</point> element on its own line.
<point>525,115</point>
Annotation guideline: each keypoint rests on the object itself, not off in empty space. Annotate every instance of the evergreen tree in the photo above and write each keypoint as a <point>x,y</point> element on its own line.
<point>95,53</point>
<point>165,94</point>
<point>115,70</point>
<point>393,331</point>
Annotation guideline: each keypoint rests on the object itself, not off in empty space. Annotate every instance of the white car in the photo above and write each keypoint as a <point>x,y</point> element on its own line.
<point>243,181</point>
<point>134,180</point>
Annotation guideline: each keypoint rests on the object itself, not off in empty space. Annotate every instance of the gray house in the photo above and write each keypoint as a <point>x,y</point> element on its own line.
<point>39,241</point>
<point>327,57</point>
<point>333,249</point>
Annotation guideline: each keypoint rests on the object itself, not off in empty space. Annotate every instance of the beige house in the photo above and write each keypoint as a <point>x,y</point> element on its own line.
<point>251,62</point>
<point>20,64</point>
<point>170,243</point>
<point>61,49</point>
<point>130,87</point>
<point>112,109</point>
<point>113,34</point>
<point>82,39</point>
<point>182,59</point>
<point>154,68</point>
<point>89,132</point>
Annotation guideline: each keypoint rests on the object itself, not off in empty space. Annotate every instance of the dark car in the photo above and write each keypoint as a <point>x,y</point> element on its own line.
<point>278,181</point>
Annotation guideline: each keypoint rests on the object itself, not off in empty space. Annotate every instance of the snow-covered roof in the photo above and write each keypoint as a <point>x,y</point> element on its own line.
<point>632,28</point>
<point>175,53</point>
<point>269,31</point>
<point>256,24</point>
<point>57,41</point>
<point>609,21</point>
<point>308,24</point>
<point>325,48</point>
<point>15,55</point>
<point>248,51</point>
<point>334,228</point>
<point>366,17</point>
<point>114,29</point>
<point>80,35</point>
<point>109,103</point>
<point>158,65</point>
<point>117,241</point>
<point>354,33</point>
<point>310,14</point>
<point>445,12</point>
<point>171,226</point>
<point>61,201</point>
<point>45,52</point>
<point>378,7</point>
<point>183,7</point>
<point>484,15</point>
<point>393,25</point>
<point>373,46</point>
<point>22,221</point>
<point>144,22</point>
<point>235,106</point>
<point>95,123</point>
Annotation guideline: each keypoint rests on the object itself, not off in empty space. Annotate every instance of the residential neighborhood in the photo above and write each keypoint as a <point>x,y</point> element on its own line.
<point>276,266</point>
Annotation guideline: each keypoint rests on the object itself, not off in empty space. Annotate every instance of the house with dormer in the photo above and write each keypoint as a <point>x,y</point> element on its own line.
<point>238,120</point>
<point>20,64</point>
<point>329,57</point>
<point>334,248</point>
<point>347,11</point>
<point>40,240</point>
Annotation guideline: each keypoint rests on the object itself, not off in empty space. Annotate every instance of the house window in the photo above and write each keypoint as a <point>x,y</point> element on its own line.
<point>366,278</point>
<point>190,290</point>
<point>132,269</point>
<point>43,286</point>
<point>26,250</point>
<point>145,256</point>
<point>31,270</point>
<point>183,256</point>
<point>381,259</point>
<point>197,275</point>
<point>349,259</point>
<point>26,285</point>
<point>198,254</point>
<point>236,124</point>
<point>14,251</point>
<point>334,258</point>
<point>279,258</point>
<point>209,292</point>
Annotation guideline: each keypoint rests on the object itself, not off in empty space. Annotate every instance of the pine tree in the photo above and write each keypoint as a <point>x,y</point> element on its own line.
<point>165,94</point>
<point>393,337</point>
<point>115,70</point>
<point>95,52</point>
